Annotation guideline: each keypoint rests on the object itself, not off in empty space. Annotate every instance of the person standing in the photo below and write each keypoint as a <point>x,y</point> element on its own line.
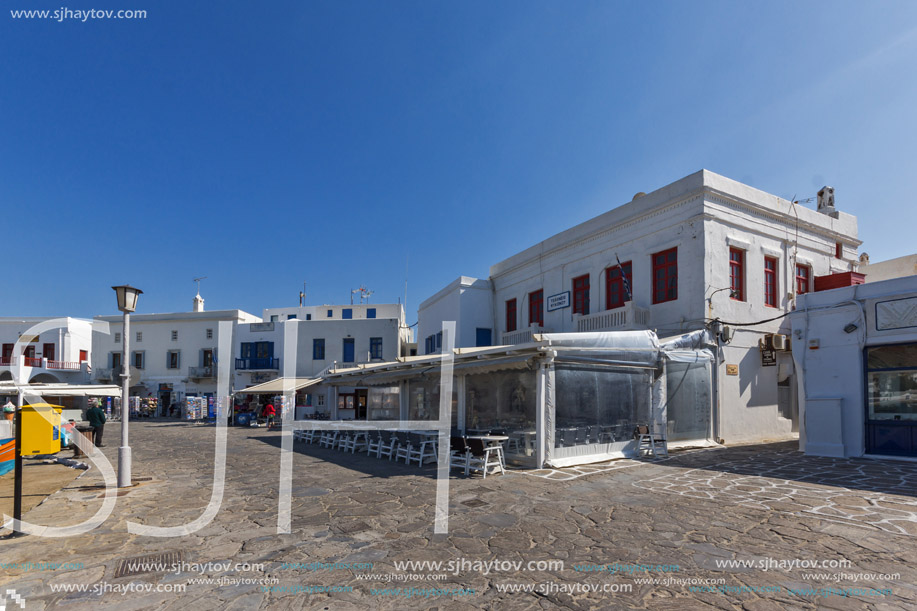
<point>269,414</point>
<point>96,418</point>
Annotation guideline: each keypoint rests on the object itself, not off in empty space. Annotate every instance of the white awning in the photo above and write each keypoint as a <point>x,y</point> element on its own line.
<point>61,390</point>
<point>278,386</point>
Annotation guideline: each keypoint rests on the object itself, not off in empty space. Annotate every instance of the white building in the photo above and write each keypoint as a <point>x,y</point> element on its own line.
<point>172,355</point>
<point>54,349</point>
<point>856,350</point>
<point>327,336</point>
<point>704,247</point>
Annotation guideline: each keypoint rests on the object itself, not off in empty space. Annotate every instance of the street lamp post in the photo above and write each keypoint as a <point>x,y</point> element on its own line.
<point>127,303</point>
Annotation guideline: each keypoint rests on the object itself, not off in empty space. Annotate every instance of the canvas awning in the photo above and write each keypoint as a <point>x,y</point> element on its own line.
<point>278,386</point>
<point>61,390</point>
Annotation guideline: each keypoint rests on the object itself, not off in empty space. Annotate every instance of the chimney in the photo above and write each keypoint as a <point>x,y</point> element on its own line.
<point>826,202</point>
<point>198,303</point>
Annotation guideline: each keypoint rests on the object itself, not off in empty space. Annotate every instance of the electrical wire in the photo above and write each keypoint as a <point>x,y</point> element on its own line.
<point>749,324</point>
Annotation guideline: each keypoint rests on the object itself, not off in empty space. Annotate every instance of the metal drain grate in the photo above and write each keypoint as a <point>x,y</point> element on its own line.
<point>474,503</point>
<point>152,563</point>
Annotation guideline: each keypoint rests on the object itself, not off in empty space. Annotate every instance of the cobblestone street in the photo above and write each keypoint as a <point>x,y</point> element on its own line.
<point>740,522</point>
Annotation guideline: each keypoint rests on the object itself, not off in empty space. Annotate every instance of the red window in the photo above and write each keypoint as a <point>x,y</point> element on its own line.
<point>737,273</point>
<point>29,352</point>
<point>802,279</point>
<point>510,315</point>
<point>581,295</point>
<point>838,250</point>
<point>536,308</point>
<point>47,351</point>
<point>770,282</point>
<point>618,288</point>
<point>84,356</point>
<point>665,276</point>
<point>7,358</point>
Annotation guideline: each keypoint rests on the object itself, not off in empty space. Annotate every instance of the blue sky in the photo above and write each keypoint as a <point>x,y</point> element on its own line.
<point>264,145</point>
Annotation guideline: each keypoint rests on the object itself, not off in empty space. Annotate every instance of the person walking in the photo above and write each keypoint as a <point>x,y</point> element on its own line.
<point>269,413</point>
<point>96,418</point>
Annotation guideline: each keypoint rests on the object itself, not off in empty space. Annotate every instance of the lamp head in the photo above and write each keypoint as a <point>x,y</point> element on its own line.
<point>127,297</point>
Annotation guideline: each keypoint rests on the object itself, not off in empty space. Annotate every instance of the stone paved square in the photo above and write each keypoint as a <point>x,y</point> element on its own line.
<point>725,528</point>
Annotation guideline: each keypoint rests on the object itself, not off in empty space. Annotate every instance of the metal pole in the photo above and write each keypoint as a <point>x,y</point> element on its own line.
<point>124,452</point>
<point>17,484</point>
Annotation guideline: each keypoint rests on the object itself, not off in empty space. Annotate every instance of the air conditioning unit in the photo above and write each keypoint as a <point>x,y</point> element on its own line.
<point>780,342</point>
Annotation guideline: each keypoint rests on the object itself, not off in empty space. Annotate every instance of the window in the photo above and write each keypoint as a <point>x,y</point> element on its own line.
<point>430,345</point>
<point>802,279</point>
<point>174,335</point>
<point>274,317</point>
<point>84,356</point>
<point>770,282</point>
<point>347,313</point>
<point>29,352</point>
<point>291,317</point>
<point>665,276</point>
<point>581,295</point>
<point>115,358</point>
<point>209,333</point>
<point>47,351</point>
<point>737,273</point>
<point>319,400</point>
<point>375,347</point>
<point>138,360</point>
<point>536,308</point>
<point>619,287</point>
<point>510,315</point>
<point>206,357</point>
<point>838,250</point>
<point>118,338</point>
<point>318,349</point>
<point>439,341</point>
<point>308,317</point>
<point>329,313</point>
<point>370,312</point>
<point>482,337</point>
<point>173,359</point>
<point>139,336</point>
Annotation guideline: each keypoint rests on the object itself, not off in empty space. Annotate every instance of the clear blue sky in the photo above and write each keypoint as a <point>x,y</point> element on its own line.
<point>267,144</point>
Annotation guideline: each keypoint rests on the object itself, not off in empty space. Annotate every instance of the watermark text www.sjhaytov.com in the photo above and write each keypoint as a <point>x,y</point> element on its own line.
<point>83,15</point>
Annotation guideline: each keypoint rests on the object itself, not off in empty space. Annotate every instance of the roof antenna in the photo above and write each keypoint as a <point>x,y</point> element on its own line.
<point>302,295</point>
<point>198,280</point>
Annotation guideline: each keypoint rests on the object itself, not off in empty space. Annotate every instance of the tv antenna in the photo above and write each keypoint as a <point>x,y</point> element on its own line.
<point>363,292</point>
<point>302,295</point>
<point>198,280</point>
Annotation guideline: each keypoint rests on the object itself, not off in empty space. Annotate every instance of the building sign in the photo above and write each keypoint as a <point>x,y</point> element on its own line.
<point>260,327</point>
<point>559,301</point>
<point>260,378</point>
<point>732,370</point>
<point>165,388</point>
<point>28,339</point>
<point>896,314</point>
<point>768,358</point>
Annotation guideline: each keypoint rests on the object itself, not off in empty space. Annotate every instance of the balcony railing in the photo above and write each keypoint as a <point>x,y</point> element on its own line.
<point>522,336</point>
<point>31,361</point>
<point>69,365</point>
<point>258,363</point>
<point>200,372</point>
<point>626,318</point>
<point>6,361</point>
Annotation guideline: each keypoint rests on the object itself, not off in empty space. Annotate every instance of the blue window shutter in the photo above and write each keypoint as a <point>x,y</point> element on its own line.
<point>370,312</point>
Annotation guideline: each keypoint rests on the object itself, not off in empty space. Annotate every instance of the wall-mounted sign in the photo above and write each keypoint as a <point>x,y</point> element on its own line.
<point>28,339</point>
<point>559,301</point>
<point>732,370</point>
<point>261,327</point>
<point>165,388</point>
<point>768,358</point>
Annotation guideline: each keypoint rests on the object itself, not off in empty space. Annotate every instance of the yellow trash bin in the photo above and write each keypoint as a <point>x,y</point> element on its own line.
<point>41,428</point>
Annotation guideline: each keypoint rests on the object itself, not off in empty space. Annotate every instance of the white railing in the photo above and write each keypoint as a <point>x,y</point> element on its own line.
<point>201,372</point>
<point>522,336</point>
<point>626,318</point>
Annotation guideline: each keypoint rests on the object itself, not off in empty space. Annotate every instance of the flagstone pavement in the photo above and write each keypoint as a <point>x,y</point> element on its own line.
<point>723,528</point>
